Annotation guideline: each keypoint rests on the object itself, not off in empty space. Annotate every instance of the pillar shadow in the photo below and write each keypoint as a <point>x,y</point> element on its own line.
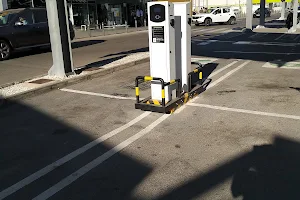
<point>267,172</point>
<point>31,139</point>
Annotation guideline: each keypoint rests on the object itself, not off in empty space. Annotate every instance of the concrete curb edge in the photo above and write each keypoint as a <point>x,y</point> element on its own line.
<point>67,82</point>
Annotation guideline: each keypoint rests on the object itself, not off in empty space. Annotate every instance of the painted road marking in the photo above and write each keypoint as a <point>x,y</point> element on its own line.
<point>295,117</point>
<point>204,60</point>
<point>225,76</point>
<point>97,94</point>
<point>14,188</point>
<point>256,52</point>
<point>28,180</point>
<point>265,43</point>
<point>211,75</point>
<point>88,167</point>
<point>206,42</point>
<point>242,42</point>
<point>48,193</point>
<point>278,38</point>
<point>296,38</point>
<point>282,65</point>
<point>217,30</point>
<point>222,69</point>
<point>202,30</point>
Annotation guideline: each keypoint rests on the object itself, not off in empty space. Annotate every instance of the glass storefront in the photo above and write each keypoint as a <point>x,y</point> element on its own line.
<point>93,12</point>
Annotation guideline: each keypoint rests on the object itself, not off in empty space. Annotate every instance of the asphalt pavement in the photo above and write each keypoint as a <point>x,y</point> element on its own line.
<point>87,141</point>
<point>240,139</point>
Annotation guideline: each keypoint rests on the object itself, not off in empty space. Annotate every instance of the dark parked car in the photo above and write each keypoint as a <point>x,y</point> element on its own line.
<point>24,28</point>
<point>257,13</point>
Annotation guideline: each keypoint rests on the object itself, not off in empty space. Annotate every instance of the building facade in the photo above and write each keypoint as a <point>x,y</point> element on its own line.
<point>93,12</point>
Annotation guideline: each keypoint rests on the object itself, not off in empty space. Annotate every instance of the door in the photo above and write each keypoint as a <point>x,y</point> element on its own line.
<point>41,26</point>
<point>217,15</point>
<point>24,30</point>
<point>226,14</point>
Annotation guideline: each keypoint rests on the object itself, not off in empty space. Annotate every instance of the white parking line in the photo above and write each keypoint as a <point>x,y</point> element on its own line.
<point>278,38</point>
<point>202,30</point>
<point>266,43</point>
<point>295,117</point>
<point>88,167</point>
<point>97,94</point>
<point>212,75</point>
<point>256,52</point>
<point>226,76</point>
<point>26,181</point>
<point>68,180</point>
<point>217,30</point>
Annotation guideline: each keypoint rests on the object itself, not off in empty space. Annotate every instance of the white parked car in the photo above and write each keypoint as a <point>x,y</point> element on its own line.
<point>217,15</point>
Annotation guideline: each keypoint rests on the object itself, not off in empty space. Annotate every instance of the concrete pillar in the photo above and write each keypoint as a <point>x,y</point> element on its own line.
<point>60,38</point>
<point>71,14</point>
<point>3,5</point>
<point>249,15</point>
<point>295,14</point>
<point>282,17</point>
<point>262,14</point>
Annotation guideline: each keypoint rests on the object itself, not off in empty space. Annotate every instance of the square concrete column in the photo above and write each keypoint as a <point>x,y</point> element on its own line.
<point>295,16</point>
<point>282,17</point>
<point>3,5</point>
<point>60,38</point>
<point>249,15</point>
<point>71,14</point>
<point>262,16</point>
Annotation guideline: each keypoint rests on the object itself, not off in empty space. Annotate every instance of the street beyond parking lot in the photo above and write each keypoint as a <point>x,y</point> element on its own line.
<point>95,51</point>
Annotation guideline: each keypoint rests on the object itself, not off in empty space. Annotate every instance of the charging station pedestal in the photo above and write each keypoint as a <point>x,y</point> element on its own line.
<point>183,29</point>
<point>162,46</point>
<point>172,79</point>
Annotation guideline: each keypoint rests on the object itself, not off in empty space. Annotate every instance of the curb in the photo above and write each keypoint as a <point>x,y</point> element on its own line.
<point>105,36</point>
<point>60,84</point>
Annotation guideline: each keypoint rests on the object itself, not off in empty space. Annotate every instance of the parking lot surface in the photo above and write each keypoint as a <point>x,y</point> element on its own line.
<point>87,141</point>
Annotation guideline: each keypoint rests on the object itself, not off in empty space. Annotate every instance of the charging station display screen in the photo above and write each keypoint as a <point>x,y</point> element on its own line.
<point>157,10</point>
<point>157,13</point>
<point>158,34</point>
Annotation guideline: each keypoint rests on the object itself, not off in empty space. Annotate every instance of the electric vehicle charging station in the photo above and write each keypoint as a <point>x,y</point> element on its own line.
<point>162,46</point>
<point>172,79</point>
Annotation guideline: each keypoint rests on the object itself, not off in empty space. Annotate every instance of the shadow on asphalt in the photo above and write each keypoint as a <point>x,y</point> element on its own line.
<point>267,172</point>
<point>98,64</point>
<point>295,88</point>
<point>275,47</point>
<point>31,139</point>
<point>47,48</point>
<point>145,49</point>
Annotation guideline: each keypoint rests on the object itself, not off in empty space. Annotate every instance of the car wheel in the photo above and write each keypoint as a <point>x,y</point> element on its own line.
<point>5,50</point>
<point>197,24</point>
<point>232,21</point>
<point>207,22</point>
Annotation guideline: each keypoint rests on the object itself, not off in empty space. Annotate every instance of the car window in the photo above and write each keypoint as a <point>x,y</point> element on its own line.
<point>40,16</point>
<point>25,18</point>
<point>226,10</point>
<point>6,17</point>
<point>217,11</point>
